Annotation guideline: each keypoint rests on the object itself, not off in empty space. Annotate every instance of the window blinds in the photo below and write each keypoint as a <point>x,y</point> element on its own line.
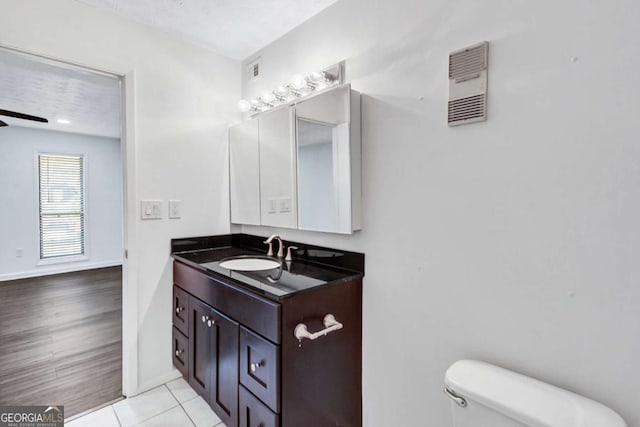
<point>61,182</point>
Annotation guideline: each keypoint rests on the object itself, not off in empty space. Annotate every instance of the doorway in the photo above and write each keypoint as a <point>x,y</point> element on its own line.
<point>61,234</point>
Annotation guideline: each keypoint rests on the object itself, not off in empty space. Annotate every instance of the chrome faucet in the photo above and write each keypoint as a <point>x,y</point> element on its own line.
<point>280,248</point>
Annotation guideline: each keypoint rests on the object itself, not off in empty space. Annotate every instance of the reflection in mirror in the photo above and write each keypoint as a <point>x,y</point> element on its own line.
<point>324,202</point>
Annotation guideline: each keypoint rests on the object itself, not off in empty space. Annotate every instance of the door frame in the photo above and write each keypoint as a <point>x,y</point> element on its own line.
<point>129,178</point>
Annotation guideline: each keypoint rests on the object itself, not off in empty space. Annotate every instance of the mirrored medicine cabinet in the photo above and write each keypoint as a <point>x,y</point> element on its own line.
<point>299,165</point>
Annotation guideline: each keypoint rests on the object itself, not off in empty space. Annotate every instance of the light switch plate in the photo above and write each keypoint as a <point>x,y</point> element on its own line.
<point>272,206</point>
<point>174,209</point>
<point>151,209</point>
<point>285,204</point>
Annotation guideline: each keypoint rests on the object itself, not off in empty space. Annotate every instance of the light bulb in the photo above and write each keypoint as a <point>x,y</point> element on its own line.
<point>244,105</point>
<point>298,81</point>
<point>268,97</point>
<point>317,76</point>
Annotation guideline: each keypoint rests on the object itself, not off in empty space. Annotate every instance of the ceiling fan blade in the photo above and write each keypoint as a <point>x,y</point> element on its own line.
<point>23,116</point>
<point>2,124</point>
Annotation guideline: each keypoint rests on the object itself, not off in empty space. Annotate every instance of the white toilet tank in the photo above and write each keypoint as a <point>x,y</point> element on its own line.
<point>485,395</point>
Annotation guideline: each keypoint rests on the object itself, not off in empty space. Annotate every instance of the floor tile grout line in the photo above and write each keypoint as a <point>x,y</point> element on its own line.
<point>159,413</point>
<point>185,409</point>
<point>180,403</point>
<point>116,414</point>
<point>187,414</point>
<point>172,393</point>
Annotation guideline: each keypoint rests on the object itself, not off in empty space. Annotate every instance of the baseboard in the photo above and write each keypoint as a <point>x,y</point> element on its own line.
<point>158,381</point>
<point>58,269</point>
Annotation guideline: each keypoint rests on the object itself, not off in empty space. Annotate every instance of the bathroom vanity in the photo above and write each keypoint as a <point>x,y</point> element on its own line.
<point>246,341</point>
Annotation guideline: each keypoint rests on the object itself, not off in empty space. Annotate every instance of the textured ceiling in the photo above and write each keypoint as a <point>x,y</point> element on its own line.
<point>91,102</point>
<point>234,28</point>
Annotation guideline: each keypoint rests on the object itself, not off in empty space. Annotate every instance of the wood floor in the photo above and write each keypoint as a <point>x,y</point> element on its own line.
<point>61,340</point>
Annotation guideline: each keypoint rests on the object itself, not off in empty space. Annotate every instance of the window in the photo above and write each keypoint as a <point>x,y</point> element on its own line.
<point>61,183</point>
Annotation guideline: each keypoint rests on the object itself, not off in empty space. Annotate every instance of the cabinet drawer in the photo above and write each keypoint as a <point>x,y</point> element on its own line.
<point>254,413</point>
<point>181,352</point>
<point>181,310</point>
<point>258,313</point>
<point>260,368</point>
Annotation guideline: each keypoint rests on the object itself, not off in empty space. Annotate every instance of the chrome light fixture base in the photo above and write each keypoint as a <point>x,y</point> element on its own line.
<point>299,88</point>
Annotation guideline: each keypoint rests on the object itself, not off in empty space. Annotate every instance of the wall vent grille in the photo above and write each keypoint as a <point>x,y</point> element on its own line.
<point>467,109</point>
<point>254,71</point>
<point>468,84</point>
<point>468,62</point>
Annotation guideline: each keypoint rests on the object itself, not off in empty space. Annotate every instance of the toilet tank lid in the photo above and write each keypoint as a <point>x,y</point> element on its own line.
<point>527,400</point>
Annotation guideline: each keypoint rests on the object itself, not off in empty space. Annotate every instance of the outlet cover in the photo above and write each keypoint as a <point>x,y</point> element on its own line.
<point>174,209</point>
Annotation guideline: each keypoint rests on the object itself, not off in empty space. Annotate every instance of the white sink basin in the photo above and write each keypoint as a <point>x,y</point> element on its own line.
<point>249,263</point>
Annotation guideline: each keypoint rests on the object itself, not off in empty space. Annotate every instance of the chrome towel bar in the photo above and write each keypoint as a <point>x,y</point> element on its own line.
<point>330,325</point>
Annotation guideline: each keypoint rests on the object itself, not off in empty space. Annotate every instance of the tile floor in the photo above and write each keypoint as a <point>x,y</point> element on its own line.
<point>174,404</point>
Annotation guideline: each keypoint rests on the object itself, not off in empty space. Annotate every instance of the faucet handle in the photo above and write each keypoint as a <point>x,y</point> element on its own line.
<point>270,243</point>
<point>289,258</point>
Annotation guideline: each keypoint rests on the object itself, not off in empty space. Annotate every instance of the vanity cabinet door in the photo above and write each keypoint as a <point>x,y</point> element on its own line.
<point>224,368</point>
<point>213,369</point>
<point>200,362</point>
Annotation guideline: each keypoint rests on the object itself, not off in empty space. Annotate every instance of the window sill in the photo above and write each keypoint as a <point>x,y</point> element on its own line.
<point>63,260</point>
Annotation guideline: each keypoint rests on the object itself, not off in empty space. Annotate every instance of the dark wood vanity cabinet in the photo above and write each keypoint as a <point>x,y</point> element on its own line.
<point>213,368</point>
<point>180,331</point>
<point>254,413</point>
<point>181,352</point>
<point>260,368</point>
<point>244,360</point>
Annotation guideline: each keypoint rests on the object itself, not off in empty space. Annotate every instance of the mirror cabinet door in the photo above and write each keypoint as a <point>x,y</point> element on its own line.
<point>278,169</point>
<point>299,167</point>
<point>324,162</point>
<point>244,173</point>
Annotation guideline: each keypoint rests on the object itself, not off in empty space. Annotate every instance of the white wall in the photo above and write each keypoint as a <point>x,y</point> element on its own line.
<point>183,97</point>
<point>19,184</point>
<point>514,241</point>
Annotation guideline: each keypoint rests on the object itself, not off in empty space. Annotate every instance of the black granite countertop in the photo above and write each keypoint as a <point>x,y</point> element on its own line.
<point>312,266</point>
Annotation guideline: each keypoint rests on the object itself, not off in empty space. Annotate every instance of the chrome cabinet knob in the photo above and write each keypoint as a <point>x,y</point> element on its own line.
<point>179,310</point>
<point>254,366</point>
<point>211,323</point>
<point>179,352</point>
<point>204,319</point>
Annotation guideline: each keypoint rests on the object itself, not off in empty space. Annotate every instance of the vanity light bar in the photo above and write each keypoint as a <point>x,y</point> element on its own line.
<point>299,87</point>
